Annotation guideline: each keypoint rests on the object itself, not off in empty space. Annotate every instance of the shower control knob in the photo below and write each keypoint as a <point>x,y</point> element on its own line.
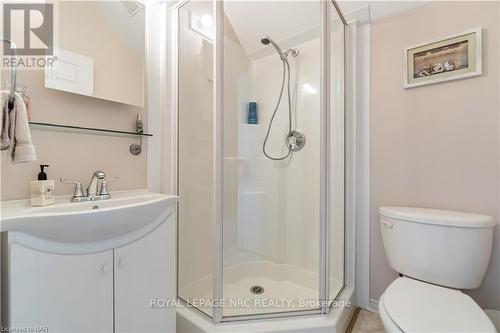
<point>296,140</point>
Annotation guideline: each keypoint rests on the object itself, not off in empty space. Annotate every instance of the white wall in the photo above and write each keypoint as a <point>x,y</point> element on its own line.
<point>237,91</point>
<point>279,201</point>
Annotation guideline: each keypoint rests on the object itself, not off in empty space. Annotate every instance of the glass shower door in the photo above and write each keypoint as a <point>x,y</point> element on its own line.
<point>336,222</point>
<point>195,155</point>
<point>271,200</point>
<point>261,169</point>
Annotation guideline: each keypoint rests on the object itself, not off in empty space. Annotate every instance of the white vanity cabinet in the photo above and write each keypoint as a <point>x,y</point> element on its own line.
<point>103,286</point>
<point>62,292</point>
<point>146,270</point>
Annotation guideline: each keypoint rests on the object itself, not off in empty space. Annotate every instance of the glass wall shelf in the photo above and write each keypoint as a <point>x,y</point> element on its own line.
<point>88,130</point>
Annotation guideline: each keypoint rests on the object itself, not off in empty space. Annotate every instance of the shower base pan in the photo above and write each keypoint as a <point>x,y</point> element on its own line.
<point>264,286</point>
<point>258,283</point>
<point>192,321</point>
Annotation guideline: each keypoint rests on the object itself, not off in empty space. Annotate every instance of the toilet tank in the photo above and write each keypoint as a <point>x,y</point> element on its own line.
<point>446,248</point>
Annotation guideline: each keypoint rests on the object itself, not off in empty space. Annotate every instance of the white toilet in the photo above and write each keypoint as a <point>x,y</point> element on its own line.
<point>437,253</point>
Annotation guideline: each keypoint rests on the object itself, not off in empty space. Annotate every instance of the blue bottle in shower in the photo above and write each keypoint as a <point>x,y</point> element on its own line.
<point>252,113</point>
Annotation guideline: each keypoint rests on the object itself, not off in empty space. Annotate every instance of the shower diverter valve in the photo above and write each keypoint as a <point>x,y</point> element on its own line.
<point>296,140</point>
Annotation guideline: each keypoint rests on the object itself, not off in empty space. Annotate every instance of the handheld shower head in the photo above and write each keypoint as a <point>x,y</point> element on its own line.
<point>266,40</point>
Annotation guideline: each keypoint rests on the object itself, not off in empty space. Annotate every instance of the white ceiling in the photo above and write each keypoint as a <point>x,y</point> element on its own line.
<point>284,20</point>
<point>379,9</point>
<point>279,20</point>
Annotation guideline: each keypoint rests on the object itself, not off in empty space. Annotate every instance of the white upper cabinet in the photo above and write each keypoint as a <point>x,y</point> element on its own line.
<point>100,49</point>
<point>72,73</point>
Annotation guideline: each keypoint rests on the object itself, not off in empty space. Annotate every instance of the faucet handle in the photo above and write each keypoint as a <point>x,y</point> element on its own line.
<point>78,193</point>
<point>104,186</point>
<point>99,174</point>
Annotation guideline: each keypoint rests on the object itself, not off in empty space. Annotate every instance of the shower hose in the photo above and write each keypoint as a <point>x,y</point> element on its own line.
<point>286,77</point>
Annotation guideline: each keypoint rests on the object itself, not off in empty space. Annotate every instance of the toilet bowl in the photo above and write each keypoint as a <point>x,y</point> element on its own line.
<point>437,253</point>
<point>408,305</point>
<point>389,325</point>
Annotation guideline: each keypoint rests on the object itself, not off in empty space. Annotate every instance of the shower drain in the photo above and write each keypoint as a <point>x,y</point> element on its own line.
<point>257,290</point>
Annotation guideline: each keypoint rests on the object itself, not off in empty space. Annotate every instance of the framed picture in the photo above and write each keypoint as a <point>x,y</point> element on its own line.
<point>450,58</point>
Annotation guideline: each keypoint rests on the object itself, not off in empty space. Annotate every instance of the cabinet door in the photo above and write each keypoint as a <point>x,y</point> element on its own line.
<point>145,270</point>
<point>65,293</point>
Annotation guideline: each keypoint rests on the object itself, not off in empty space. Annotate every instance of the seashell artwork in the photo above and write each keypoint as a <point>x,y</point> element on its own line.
<point>448,58</point>
<point>437,68</point>
<point>425,72</point>
<point>449,66</point>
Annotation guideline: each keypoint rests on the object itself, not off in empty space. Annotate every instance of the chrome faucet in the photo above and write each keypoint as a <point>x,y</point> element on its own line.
<point>93,192</point>
<point>92,189</point>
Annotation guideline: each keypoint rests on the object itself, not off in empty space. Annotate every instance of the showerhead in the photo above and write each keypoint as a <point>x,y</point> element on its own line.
<point>266,40</point>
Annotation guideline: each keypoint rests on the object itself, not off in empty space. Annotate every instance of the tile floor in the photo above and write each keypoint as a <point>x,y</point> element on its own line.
<point>366,322</point>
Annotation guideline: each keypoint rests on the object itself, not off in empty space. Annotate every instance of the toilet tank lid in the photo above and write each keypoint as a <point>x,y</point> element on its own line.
<point>438,217</point>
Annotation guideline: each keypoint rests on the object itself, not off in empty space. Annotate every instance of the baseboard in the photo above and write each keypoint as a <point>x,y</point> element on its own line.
<point>373,305</point>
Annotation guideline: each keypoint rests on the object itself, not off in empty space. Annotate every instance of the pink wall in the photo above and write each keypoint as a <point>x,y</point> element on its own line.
<point>70,154</point>
<point>437,145</point>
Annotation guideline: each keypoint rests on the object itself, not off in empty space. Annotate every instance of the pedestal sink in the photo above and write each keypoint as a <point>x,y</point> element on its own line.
<point>87,226</point>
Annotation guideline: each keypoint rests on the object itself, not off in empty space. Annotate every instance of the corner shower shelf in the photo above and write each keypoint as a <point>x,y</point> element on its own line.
<point>91,130</point>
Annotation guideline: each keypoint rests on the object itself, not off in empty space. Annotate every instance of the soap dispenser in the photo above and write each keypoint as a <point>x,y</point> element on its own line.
<point>42,190</point>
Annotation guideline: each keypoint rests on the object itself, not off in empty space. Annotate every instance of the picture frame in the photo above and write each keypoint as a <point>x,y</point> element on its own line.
<point>444,59</point>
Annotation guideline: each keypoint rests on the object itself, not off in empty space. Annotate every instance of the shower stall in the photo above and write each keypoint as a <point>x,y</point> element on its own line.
<point>259,104</point>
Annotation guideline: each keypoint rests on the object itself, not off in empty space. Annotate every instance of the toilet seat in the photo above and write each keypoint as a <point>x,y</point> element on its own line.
<point>415,306</point>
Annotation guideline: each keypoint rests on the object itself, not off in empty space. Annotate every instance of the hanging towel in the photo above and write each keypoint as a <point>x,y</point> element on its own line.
<point>16,131</point>
<point>5,122</point>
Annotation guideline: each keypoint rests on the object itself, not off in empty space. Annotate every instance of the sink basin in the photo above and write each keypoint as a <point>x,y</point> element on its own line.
<point>88,222</point>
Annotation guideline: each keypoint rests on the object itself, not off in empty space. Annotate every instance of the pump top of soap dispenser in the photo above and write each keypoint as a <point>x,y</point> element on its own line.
<point>42,175</point>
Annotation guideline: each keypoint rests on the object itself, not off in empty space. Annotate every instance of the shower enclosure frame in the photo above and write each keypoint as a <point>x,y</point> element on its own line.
<point>325,79</point>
